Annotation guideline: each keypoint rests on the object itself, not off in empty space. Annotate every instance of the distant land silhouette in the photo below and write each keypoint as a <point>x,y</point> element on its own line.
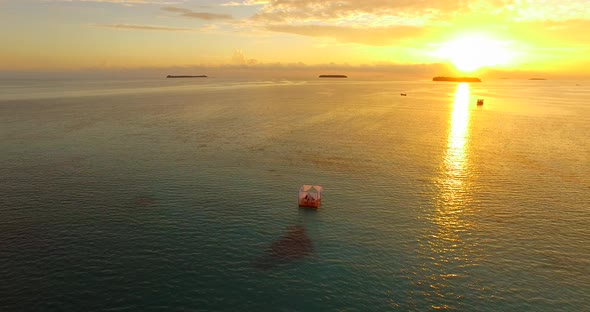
<point>456,79</point>
<point>333,76</point>
<point>537,78</point>
<point>186,76</point>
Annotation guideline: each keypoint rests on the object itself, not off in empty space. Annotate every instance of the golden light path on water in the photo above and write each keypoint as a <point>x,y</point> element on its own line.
<point>450,243</point>
<point>452,199</point>
<point>457,139</point>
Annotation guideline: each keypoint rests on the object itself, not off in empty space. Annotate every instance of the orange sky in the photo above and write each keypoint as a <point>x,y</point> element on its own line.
<point>463,37</point>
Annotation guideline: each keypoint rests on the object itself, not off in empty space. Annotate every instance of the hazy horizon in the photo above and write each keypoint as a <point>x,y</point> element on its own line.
<point>287,71</point>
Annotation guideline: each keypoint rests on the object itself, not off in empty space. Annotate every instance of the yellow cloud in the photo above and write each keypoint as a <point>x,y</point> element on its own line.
<point>377,36</point>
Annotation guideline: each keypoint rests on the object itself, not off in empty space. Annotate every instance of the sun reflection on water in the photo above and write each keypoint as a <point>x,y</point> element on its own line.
<point>458,134</point>
<point>452,186</point>
<point>451,204</point>
<point>449,245</point>
<point>452,198</point>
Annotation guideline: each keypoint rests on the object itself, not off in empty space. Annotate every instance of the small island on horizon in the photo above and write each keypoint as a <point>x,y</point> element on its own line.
<point>333,76</point>
<point>456,79</point>
<point>186,76</point>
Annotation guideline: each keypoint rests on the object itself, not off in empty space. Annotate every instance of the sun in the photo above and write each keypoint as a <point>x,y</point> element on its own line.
<point>470,53</point>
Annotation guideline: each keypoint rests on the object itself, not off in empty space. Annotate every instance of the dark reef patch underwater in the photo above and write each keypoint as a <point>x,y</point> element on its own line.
<point>295,245</point>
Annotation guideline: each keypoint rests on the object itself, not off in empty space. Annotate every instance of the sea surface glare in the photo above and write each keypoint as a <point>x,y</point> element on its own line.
<point>145,195</point>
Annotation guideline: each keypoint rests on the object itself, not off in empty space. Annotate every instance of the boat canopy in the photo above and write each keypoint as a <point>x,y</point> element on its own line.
<point>310,196</point>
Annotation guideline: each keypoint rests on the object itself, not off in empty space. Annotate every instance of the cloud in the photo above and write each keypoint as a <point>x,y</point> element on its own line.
<point>124,2</point>
<point>342,10</point>
<point>386,22</point>
<point>550,10</point>
<point>238,58</point>
<point>245,3</point>
<point>147,27</point>
<point>550,33</point>
<point>197,15</point>
<point>435,10</point>
<point>375,36</point>
<point>369,22</point>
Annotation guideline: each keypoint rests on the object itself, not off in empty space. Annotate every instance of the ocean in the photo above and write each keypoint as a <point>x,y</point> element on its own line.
<point>181,194</point>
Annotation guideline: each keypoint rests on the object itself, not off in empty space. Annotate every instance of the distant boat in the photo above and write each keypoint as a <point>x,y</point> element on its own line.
<point>479,102</point>
<point>403,94</point>
<point>456,79</point>
<point>186,76</point>
<point>333,76</point>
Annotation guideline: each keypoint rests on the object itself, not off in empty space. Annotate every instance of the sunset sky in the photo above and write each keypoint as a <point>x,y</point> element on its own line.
<point>464,37</point>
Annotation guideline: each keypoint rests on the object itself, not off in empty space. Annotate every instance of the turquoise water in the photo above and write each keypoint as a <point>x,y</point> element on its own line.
<point>164,195</point>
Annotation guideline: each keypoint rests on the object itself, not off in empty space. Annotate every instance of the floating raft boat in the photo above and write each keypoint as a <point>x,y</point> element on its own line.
<point>310,196</point>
